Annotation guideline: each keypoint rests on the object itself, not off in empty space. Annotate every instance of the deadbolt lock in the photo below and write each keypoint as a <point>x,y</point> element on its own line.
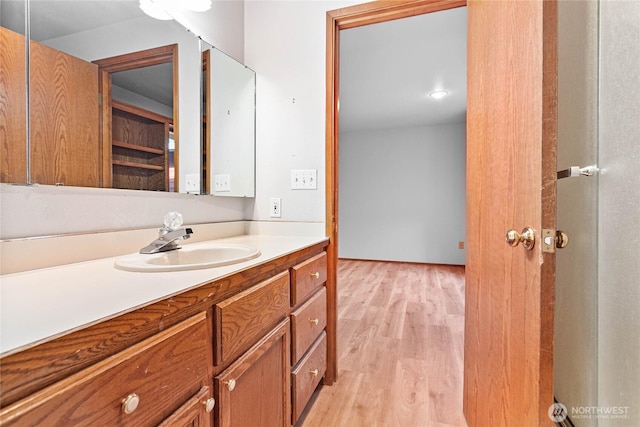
<point>526,237</point>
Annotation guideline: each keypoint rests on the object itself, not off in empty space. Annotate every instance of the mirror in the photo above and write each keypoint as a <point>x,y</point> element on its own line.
<point>93,31</point>
<point>229,129</point>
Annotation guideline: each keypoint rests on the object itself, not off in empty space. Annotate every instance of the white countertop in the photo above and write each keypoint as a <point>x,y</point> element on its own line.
<point>39,305</point>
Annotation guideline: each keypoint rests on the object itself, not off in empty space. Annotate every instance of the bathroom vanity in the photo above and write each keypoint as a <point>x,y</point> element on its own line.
<point>236,345</point>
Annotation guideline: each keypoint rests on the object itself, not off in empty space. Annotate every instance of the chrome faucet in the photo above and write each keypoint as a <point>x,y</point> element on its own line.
<point>168,235</point>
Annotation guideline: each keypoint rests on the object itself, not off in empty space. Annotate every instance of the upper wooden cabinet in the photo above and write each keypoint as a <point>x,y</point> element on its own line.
<point>63,111</point>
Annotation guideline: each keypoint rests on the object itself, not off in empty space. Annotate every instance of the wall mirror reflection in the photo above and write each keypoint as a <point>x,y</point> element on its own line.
<point>69,94</point>
<point>229,125</point>
<point>72,45</point>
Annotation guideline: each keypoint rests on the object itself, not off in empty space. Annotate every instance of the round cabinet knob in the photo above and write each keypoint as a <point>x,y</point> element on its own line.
<point>315,275</point>
<point>209,404</point>
<point>313,372</point>
<point>231,384</point>
<point>314,321</point>
<point>526,237</point>
<point>130,403</point>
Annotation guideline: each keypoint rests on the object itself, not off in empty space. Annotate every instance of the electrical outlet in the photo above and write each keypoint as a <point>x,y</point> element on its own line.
<point>275,207</point>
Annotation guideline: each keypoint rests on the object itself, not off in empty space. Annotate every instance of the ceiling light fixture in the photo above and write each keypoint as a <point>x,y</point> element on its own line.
<point>438,94</point>
<point>154,10</point>
<point>159,9</point>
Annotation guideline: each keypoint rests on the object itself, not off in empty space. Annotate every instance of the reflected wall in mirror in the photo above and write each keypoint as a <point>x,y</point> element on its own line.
<point>67,37</point>
<point>229,125</point>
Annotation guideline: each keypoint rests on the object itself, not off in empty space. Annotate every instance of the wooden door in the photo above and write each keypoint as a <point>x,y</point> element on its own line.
<point>194,413</point>
<point>256,389</point>
<point>511,168</point>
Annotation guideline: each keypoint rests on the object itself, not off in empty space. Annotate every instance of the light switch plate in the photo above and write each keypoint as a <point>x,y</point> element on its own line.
<point>222,183</point>
<point>304,179</point>
<point>192,183</point>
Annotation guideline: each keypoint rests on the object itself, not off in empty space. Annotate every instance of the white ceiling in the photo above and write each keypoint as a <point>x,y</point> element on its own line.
<point>387,71</point>
<point>50,19</point>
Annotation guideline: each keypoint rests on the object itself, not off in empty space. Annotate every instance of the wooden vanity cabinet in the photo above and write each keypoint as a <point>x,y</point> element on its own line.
<point>243,319</point>
<point>140,386</point>
<point>234,351</point>
<point>255,389</point>
<point>196,412</point>
<point>308,336</point>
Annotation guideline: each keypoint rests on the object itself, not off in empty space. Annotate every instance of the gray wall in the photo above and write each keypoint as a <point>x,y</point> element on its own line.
<point>619,212</point>
<point>402,194</point>
<point>597,343</point>
<point>575,355</point>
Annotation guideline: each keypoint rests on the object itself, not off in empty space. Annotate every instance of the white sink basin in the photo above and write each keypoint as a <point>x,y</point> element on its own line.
<point>190,257</point>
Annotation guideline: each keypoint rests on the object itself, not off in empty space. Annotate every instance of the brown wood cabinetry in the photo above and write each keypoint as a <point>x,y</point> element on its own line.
<point>255,389</point>
<point>139,148</point>
<point>141,385</point>
<point>63,113</point>
<point>308,336</point>
<point>242,319</point>
<point>219,352</point>
<point>306,277</point>
<point>194,413</point>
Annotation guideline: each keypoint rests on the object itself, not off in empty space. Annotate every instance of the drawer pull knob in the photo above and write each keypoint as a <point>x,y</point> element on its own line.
<point>209,404</point>
<point>313,372</point>
<point>314,321</point>
<point>315,275</point>
<point>231,384</point>
<point>130,403</point>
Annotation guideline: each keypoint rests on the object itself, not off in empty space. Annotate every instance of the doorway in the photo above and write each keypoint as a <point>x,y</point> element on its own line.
<point>511,139</point>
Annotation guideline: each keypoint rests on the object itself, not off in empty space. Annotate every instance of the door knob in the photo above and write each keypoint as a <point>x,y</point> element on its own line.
<point>526,237</point>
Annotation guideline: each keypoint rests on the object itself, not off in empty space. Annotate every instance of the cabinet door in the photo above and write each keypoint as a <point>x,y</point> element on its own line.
<point>139,386</point>
<point>196,412</point>
<point>255,389</point>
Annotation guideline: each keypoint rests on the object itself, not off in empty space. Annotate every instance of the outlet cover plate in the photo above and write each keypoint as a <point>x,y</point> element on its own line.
<point>274,207</point>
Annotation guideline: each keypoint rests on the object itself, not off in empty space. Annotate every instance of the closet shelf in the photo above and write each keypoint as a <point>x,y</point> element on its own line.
<point>138,165</point>
<point>137,147</point>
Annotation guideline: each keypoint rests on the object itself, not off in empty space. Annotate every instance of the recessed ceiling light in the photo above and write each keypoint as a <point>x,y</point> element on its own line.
<point>438,94</point>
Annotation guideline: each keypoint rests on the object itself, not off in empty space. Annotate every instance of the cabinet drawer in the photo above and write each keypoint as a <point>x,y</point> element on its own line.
<point>307,322</point>
<point>242,319</point>
<point>307,276</point>
<point>307,375</point>
<point>152,379</point>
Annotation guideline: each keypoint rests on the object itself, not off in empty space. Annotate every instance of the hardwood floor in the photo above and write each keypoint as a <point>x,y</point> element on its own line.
<point>400,345</point>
